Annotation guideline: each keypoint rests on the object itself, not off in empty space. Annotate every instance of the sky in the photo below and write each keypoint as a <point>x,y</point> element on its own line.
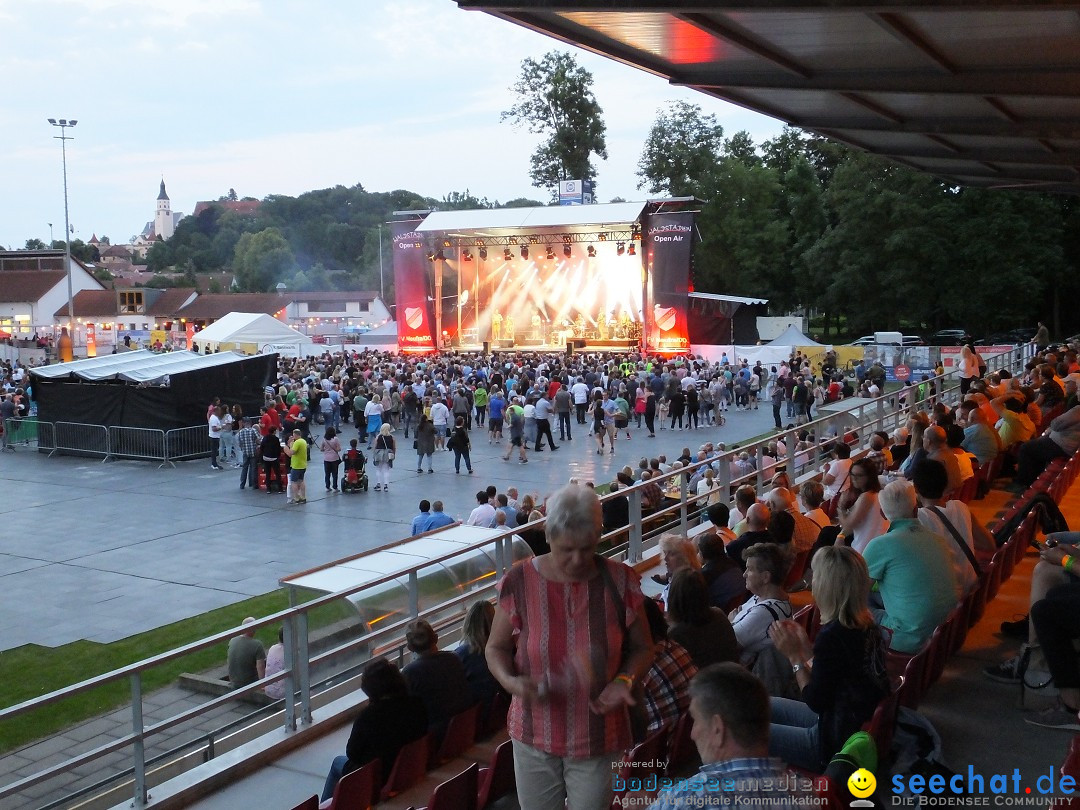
<point>281,97</point>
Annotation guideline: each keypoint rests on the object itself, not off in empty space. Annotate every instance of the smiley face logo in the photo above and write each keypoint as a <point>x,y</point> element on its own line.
<point>862,783</point>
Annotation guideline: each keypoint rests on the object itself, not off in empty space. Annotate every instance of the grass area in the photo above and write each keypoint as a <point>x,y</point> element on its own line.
<point>31,670</point>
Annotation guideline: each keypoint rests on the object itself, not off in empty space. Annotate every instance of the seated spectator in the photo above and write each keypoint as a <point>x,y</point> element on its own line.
<point>1062,441</point>
<point>954,437</point>
<point>913,569</point>
<point>389,720</point>
<point>766,567</point>
<point>474,638</point>
<point>616,510</point>
<point>835,473</point>
<point>917,425</point>
<point>859,513</point>
<point>434,676</point>
<point>275,663</point>
<point>723,578</point>
<point>745,497</point>
<point>757,531</point>
<point>1014,425</point>
<point>535,538</point>
<point>420,522</point>
<point>247,658</point>
<point>484,513</point>
<point>703,630</point>
<point>936,444</point>
<point>678,553</point>
<point>812,495</point>
<point>953,521</point>
<point>667,683</point>
<point>876,454</point>
<point>842,676</point>
<point>980,439</point>
<point>730,708</point>
<point>806,531</point>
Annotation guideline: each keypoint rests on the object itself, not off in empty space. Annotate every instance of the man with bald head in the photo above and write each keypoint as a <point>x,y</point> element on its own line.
<point>936,445</point>
<point>781,499</point>
<point>757,531</point>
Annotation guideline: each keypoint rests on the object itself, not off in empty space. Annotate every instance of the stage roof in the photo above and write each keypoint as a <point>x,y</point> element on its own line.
<point>728,299</point>
<point>977,93</point>
<point>494,220</point>
<point>135,367</point>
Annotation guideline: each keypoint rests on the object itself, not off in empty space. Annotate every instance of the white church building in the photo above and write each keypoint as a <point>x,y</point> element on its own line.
<point>163,224</point>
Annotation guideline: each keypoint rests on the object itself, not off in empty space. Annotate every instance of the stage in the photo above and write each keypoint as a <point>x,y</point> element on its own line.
<point>573,346</point>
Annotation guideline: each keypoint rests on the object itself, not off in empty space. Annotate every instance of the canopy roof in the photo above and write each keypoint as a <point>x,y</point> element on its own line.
<point>977,93</point>
<point>728,299</point>
<point>793,336</point>
<point>494,221</point>
<point>135,367</point>
<point>249,327</point>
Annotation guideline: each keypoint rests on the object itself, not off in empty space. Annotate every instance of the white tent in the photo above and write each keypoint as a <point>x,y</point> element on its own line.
<point>254,333</point>
<point>382,338</point>
<point>792,336</point>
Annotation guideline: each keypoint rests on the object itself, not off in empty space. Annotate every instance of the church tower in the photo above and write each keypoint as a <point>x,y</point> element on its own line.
<point>163,218</point>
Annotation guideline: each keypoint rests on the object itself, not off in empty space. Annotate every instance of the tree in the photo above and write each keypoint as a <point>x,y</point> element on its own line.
<point>521,202</point>
<point>262,260</point>
<point>34,244</point>
<point>555,99</point>
<point>740,147</point>
<point>805,211</point>
<point>681,150</point>
<point>462,201</point>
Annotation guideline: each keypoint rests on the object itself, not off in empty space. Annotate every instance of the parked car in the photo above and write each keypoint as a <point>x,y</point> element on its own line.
<point>865,340</point>
<point>949,337</point>
<point>1023,335</point>
<point>913,340</point>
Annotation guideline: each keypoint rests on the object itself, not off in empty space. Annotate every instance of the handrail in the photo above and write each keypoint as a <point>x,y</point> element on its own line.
<point>299,662</point>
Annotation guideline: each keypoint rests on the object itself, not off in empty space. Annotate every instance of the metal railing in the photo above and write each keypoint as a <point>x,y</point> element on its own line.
<point>185,444</point>
<point>629,544</point>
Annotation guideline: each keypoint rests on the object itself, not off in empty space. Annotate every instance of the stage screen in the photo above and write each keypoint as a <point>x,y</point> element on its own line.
<point>416,327</point>
<point>668,242</point>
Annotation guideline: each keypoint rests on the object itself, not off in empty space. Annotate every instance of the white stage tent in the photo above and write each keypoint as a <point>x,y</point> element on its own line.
<point>255,333</point>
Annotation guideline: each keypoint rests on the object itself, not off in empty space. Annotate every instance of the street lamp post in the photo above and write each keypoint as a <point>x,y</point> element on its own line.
<point>382,291</point>
<point>63,137</point>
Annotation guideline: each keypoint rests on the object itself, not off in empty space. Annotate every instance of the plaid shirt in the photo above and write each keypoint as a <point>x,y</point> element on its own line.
<point>736,780</point>
<point>248,439</point>
<point>667,684</point>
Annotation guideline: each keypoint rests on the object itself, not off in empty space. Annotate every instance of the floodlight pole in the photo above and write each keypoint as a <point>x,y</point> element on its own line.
<point>63,137</point>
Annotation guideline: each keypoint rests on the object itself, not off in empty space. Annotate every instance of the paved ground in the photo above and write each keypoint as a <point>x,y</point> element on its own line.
<point>103,551</point>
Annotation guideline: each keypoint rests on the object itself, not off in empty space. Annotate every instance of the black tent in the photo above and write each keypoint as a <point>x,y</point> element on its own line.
<point>146,390</point>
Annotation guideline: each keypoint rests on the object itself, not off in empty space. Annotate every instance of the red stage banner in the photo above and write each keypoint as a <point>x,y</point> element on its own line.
<point>415,315</point>
<point>668,239</point>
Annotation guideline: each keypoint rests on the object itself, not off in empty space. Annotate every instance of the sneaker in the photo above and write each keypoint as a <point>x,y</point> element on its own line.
<point>430,472</point>
<point>1058,716</point>
<point>1016,629</point>
<point>378,487</point>
<point>1006,672</point>
<point>523,461</point>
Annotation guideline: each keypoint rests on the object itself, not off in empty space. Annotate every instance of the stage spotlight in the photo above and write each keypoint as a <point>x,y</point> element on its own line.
<point>507,255</point>
<point>620,248</point>
<point>567,250</point>
<point>525,251</point>
<point>440,256</point>
<point>550,253</point>
<point>479,243</point>
<point>601,237</point>
<point>632,250</point>
<point>431,256</point>
<point>483,253</point>
<point>447,243</point>
<point>534,240</point>
<point>567,239</point>
<point>592,252</point>
<point>466,255</point>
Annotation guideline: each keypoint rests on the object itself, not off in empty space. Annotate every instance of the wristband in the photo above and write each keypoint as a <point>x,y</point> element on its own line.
<point>624,679</point>
<point>1067,562</point>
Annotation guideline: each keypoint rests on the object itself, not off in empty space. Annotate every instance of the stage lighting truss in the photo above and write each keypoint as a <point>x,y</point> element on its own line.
<point>520,243</point>
<point>550,255</point>
<point>525,252</point>
<point>507,255</point>
<point>466,255</point>
<point>567,251</point>
<point>482,252</point>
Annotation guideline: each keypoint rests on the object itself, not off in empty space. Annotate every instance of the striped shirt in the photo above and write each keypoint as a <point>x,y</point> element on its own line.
<point>752,780</point>
<point>570,637</point>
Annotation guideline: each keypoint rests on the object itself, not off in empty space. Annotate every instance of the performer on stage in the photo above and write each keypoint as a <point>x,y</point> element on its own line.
<point>496,325</point>
<point>579,326</point>
<point>537,331</point>
<point>602,326</point>
<point>509,327</point>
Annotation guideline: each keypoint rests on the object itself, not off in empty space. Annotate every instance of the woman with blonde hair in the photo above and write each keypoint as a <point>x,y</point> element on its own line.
<point>842,675</point>
<point>383,457</point>
<point>474,638</point>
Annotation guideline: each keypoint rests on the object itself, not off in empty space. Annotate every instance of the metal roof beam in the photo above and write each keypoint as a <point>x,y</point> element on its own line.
<point>905,32</point>
<point>1015,81</point>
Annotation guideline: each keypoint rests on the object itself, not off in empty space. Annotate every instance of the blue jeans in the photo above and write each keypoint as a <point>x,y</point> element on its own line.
<point>249,472</point>
<point>793,734</point>
<point>337,770</point>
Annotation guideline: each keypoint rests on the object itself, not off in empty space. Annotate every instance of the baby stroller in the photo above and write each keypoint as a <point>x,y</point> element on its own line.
<point>356,479</point>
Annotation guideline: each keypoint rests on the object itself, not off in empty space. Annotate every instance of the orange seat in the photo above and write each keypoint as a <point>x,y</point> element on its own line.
<point>681,750</point>
<point>460,735</point>
<point>356,790</point>
<point>311,803</point>
<point>456,793</point>
<point>497,780</point>
<point>409,767</point>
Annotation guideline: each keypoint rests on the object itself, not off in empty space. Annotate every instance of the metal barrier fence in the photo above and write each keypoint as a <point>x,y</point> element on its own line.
<point>138,443</point>
<point>881,414</point>
<point>80,439</point>
<point>23,431</point>
<point>184,444</point>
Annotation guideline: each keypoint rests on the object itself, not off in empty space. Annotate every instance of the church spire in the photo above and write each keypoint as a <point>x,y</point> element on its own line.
<point>161,194</point>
